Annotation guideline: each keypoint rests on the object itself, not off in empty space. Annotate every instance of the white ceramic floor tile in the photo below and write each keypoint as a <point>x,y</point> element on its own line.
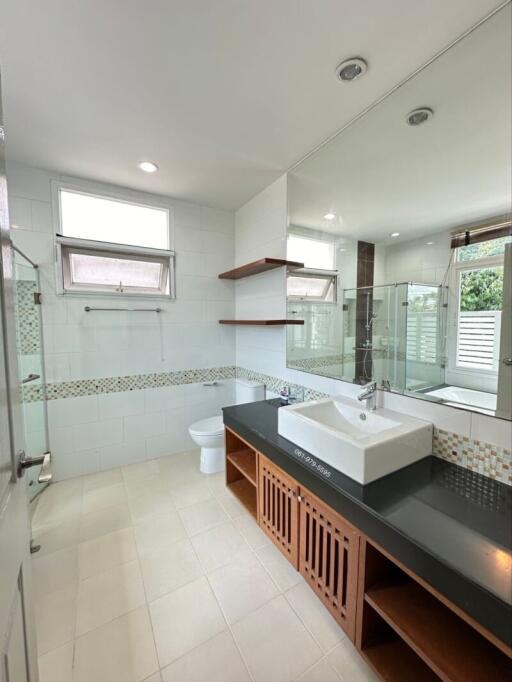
<point>185,618</point>
<point>154,678</point>
<point>102,479</point>
<point>57,665</point>
<point>181,476</point>
<point>158,531</point>
<point>154,483</point>
<point>281,570</point>
<point>53,538</point>
<point>349,665</point>
<point>321,672</point>
<point>186,495</point>
<point>230,504</point>
<point>168,568</point>
<point>55,512</point>
<point>219,546</point>
<point>149,504</point>
<point>140,470</point>
<point>108,595</point>
<point>315,616</point>
<point>217,483</point>
<point>217,660</point>
<point>54,571</point>
<point>120,651</point>
<point>105,521</point>
<point>202,516</point>
<point>100,498</point>
<point>247,525</point>
<point>55,618</point>
<point>242,587</point>
<point>107,551</point>
<point>275,644</point>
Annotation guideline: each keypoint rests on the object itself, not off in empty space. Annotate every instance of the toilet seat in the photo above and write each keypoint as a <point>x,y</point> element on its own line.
<point>213,426</point>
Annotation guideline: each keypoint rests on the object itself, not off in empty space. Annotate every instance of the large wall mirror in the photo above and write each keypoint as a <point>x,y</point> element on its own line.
<point>403,221</point>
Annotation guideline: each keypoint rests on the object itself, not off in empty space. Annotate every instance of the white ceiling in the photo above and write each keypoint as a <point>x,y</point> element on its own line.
<point>223,94</point>
<point>381,175</point>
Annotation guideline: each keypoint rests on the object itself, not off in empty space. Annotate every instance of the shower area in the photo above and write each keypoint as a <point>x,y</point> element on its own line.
<point>395,334</point>
<point>29,349</point>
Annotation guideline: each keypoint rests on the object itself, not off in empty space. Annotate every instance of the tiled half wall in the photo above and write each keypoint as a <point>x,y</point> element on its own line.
<point>103,423</point>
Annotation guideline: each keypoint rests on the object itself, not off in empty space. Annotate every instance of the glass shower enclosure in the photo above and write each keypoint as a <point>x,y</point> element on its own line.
<point>29,342</point>
<point>395,334</point>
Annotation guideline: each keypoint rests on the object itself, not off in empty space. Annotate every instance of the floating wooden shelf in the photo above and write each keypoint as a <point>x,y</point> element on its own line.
<point>450,647</point>
<point>258,266</point>
<point>245,462</point>
<point>245,492</point>
<point>263,323</point>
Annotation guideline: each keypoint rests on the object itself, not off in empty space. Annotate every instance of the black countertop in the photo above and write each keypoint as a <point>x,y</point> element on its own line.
<point>450,526</point>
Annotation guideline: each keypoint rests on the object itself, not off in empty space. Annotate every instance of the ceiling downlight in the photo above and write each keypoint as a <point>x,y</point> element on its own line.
<point>418,116</point>
<point>351,69</point>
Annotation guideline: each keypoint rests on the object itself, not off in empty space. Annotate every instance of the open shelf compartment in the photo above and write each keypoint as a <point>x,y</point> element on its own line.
<point>437,636</point>
<point>242,472</point>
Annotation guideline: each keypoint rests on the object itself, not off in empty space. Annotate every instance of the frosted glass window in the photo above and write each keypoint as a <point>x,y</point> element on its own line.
<point>314,253</point>
<point>320,289</point>
<point>121,273</point>
<point>103,219</point>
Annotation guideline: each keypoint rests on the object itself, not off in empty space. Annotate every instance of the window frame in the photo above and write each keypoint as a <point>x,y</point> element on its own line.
<point>65,246</point>
<point>331,277</point>
<point>467,376</point>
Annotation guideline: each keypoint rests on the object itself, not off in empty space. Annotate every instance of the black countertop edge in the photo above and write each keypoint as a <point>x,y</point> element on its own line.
<point>484,607</point>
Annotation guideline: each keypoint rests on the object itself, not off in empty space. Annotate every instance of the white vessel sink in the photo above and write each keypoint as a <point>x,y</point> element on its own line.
<point>362,445</point>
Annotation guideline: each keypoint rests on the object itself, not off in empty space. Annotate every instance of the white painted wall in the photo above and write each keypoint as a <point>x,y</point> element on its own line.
<point>103,431</point>
<point>260,227</point>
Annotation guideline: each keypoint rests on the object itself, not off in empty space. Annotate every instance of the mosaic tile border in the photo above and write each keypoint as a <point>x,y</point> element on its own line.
<point>478,456</point>
<point>83,387</point>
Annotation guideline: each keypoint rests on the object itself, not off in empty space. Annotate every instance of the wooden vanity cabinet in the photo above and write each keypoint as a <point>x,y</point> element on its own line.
<point>329,558</point>
<point>314,538</point>
<point>279,508</point>
<point>403,627</point>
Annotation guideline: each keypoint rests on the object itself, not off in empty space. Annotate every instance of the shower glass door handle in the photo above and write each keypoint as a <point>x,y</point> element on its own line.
<point>31,377</point>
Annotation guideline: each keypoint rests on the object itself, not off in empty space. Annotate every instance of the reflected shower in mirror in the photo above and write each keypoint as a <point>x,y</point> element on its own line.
<point>404,225</point>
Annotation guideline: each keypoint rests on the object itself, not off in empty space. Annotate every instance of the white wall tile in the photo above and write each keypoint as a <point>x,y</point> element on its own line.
<point>143,425</point>
<point>121,404</point>
<point>71,411</point>
<point>121,454</point>
<point>99,434</point>
<point>491,430</point>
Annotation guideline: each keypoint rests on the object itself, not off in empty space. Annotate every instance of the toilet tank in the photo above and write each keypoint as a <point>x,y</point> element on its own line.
<point>247,391</point>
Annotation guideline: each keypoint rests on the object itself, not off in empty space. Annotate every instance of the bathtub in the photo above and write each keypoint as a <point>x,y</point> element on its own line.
<point>465,396</point>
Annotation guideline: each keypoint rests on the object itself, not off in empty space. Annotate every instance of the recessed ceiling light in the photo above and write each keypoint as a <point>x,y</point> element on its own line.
<point>330,216</point>
<point>395,234</point>
<point>417,117</point>
<point>350,69</point>
<point>430,243</point>
<point>148,166</point>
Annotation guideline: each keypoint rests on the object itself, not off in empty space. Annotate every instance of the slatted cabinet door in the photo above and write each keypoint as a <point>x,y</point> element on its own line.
<point>278,509</point>
<point>328,558</point>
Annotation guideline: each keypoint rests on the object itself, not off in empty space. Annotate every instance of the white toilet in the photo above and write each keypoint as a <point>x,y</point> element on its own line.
<point>209,433</point>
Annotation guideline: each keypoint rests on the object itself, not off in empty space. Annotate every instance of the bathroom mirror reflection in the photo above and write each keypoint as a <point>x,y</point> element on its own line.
<point>403,222</point>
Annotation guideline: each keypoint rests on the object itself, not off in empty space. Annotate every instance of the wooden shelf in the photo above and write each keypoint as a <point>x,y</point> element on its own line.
<point>263,323</point>
<point>245,462</point>
<point>245,492</point>
<point>258,266</point>
<point>394,661</point>
<point>451,647</point>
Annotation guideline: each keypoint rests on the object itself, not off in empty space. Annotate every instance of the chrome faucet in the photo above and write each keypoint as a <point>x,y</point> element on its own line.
<point>370,395</point>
